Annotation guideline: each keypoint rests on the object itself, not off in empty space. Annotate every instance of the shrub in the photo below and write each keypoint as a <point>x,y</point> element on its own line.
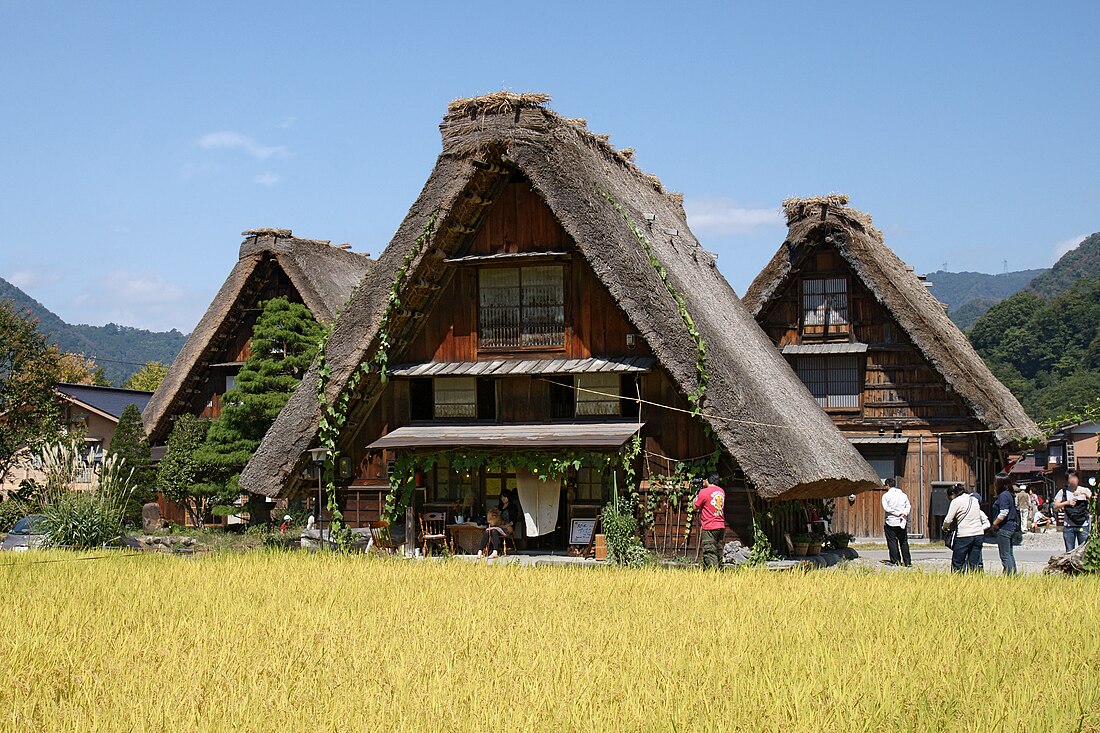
<point>85,518</point>
<point>81,520</point>
<point>620,528</point>
<point>761,551</point>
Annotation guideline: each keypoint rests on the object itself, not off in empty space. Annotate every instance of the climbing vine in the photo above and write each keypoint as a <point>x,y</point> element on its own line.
<point>678,486</point>
<point>334,413</point>
<point>393,302</point>
<point>549,465</point>
<point>695,396</point>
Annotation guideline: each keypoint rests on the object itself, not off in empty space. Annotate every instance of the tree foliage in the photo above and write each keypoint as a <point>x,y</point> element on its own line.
<point>284,343</point>
<point>79,369</point>
<point>29,412</point>
<point>130,444</point>
<point>180,476</point>
<point>1046,351</point>
<point>148,378</point>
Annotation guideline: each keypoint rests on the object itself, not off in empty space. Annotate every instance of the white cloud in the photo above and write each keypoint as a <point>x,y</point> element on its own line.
<point>236,141</point>
<point>721,217</point>
<point>1067,245</point>
<point>139,299</point>
<point>24,279</point>
<point>267,179</point>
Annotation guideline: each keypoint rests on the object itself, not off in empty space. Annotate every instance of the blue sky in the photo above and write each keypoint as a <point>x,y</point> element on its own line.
<point>140,139</point>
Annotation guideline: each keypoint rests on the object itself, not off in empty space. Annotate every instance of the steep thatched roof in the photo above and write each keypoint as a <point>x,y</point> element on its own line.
<point>821,219</point>
<point>580,175</point>
<point>323,275</point>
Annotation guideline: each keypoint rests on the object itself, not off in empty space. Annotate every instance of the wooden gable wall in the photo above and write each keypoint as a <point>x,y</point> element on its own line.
<point>267,281</point>
<point>520,221</point>
<point>900,386</point>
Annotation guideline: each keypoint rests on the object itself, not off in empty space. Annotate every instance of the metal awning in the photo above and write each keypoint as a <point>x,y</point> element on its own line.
<point>473,259</point>
<point>814,349</point>
<point>541,435</point>
<point>506,367</point>
<point>877,439</point>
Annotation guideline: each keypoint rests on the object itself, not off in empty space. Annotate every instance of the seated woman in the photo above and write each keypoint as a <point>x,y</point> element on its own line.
<point>501,526</point>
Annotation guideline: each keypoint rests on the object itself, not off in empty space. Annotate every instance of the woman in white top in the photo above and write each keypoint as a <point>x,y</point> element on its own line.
<point>966,517</point>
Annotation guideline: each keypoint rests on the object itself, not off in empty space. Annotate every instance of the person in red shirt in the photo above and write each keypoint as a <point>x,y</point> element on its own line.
<point>711,501</point>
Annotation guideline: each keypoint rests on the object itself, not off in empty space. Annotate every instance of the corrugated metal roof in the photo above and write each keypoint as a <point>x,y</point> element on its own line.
<point>507,256</point>
<point>809,349</point>
<point>877,439</point>
<point>540,435</point>
<point>506,367</point>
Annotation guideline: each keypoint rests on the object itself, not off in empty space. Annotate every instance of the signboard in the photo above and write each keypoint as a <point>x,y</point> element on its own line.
<point>580,531</point>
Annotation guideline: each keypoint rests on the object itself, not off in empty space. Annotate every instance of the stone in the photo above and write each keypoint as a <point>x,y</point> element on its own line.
<point>151,520</point>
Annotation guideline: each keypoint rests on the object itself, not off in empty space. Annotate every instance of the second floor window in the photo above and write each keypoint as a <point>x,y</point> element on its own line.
<point>832,380</point>
<point>521,307</point>
<point>824,306</point>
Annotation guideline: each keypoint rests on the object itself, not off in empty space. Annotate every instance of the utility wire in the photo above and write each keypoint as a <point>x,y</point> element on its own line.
<point>723,418</point>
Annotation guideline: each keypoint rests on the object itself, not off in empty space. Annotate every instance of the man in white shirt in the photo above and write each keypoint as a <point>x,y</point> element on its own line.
<point>896,507</point>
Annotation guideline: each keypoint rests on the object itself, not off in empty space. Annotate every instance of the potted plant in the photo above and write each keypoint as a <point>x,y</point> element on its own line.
<point>838,540</point>
<point>814,546</point>
<point>801,545</point>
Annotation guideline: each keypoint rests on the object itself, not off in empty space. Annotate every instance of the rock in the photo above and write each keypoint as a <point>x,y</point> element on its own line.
<point>147,540</point>
<point>188,541</point>
<point>151,520</point>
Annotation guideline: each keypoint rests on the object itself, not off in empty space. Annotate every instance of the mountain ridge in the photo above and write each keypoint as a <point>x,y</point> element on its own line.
<point>120,350</point>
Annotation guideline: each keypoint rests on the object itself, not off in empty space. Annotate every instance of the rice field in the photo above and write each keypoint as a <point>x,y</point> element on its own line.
<point>293,642</point>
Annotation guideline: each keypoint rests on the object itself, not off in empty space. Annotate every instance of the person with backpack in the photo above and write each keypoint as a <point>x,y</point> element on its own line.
<point>1074,501</point>
<point>964,531</point>
<point>1006,522</point>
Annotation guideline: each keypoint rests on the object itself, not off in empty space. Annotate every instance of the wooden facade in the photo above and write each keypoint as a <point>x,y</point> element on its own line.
<point>894,405</point>
<point>519,230</point>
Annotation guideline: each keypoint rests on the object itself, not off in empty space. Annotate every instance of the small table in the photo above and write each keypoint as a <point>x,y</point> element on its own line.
<point>466,537</point>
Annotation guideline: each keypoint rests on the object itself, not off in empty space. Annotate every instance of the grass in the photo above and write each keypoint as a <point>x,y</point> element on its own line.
<point>269,641</point>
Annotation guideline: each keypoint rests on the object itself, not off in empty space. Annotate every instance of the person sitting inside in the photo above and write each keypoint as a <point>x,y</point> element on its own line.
<point>501,526</point>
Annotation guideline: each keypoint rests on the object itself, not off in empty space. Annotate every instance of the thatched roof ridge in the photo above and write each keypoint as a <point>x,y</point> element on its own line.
<point>582,179</point>
<point>893,283</point>
<point>323,275</point>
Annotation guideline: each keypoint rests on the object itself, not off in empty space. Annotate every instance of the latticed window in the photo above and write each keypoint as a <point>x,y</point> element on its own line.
<point>455,397</point>
<point>824,306</point>
<point>522,307</point>
<point>598,394</point>
<point>832,380</point>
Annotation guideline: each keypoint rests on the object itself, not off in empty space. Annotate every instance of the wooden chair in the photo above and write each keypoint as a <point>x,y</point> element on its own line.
<point>433,530</point>
<point>383,540</point>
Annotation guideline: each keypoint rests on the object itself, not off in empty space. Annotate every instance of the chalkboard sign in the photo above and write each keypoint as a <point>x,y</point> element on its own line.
<point>580,531</point>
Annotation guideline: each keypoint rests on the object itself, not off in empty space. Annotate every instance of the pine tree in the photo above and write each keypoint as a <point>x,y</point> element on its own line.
<point>130,444</point>
<point>284,342</point>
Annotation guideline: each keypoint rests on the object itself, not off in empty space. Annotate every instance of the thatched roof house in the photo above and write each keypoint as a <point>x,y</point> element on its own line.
<point>272,262</point>
<point>761,415</point>
<point>827,222</point>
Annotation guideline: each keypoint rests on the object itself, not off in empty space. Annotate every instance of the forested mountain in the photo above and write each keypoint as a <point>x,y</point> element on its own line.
<point>120,350</point>
<point>1044,342</point>
<point>1077,264</point>
<point>970,294</point>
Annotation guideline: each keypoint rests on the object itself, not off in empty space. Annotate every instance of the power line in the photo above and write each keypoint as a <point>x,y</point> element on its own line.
<point>639,400</point>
